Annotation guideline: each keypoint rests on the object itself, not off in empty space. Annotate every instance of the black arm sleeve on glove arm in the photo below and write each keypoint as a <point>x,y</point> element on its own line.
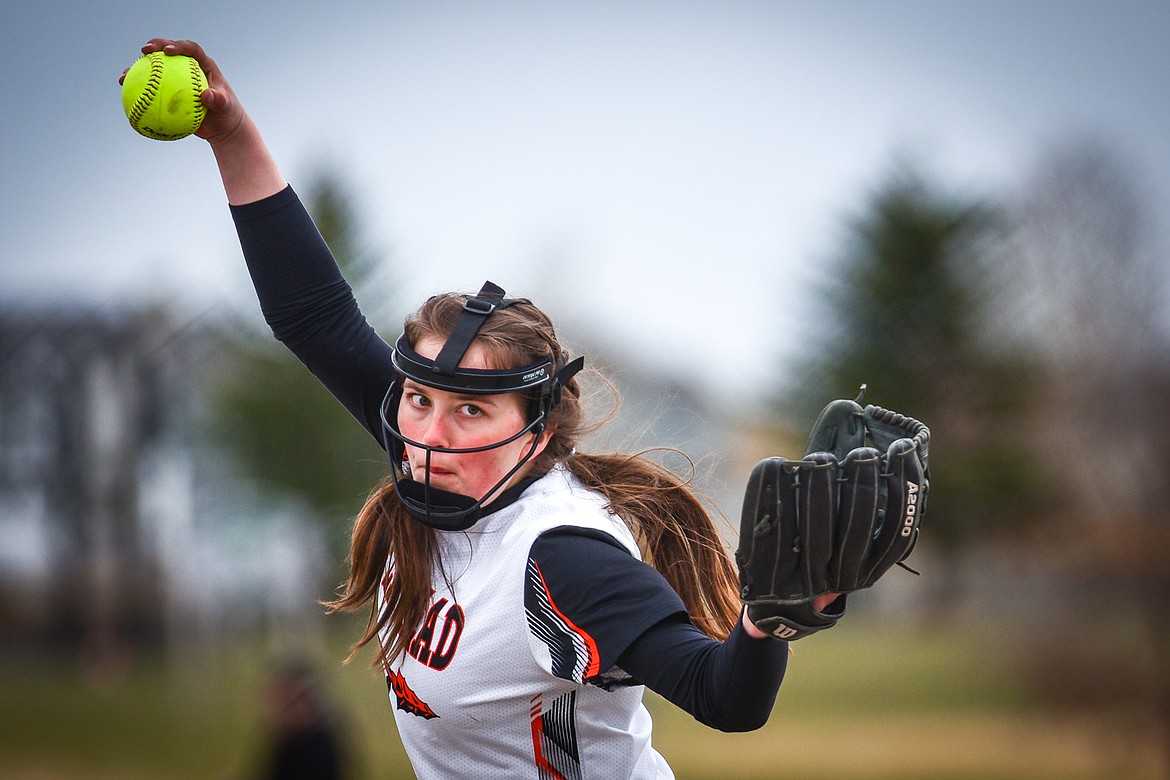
<point>608,593</point>
<point>310,307</point>
<point>640,624</point>
<point>730,686</point>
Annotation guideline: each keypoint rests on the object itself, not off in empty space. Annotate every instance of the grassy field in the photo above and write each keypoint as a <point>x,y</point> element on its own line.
<point>857,703</point>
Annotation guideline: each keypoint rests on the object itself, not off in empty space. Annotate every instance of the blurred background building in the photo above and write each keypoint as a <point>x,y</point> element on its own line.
<point>120,524</point>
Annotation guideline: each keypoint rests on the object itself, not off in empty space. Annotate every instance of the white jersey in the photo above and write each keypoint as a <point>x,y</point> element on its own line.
<point>492,687</point>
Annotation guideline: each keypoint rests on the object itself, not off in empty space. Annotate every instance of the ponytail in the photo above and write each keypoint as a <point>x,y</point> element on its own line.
<point>674,532</point>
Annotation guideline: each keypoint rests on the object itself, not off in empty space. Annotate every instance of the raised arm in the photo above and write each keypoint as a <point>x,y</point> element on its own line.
<point>247,169</point>
<point>303,297</point>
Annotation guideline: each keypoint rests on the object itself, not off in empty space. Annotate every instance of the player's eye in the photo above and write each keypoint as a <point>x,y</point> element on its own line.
<point>418,400</point>
<point>471,410</point>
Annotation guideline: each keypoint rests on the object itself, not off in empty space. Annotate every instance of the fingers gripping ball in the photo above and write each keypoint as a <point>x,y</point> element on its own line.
<point>161,96</point>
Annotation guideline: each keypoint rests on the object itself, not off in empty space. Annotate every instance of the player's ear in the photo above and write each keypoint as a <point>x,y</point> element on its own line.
<point>543,438</point>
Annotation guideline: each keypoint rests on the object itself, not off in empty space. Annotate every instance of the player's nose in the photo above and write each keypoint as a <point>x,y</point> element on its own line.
<point>436,430</point>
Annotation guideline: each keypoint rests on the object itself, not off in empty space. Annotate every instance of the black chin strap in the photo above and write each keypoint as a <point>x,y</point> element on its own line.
<point>443,509</point>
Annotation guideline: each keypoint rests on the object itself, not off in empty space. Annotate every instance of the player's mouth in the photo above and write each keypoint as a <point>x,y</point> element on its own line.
<point>435,474</point>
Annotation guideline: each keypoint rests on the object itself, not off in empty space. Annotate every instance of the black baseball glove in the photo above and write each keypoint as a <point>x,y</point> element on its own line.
<point>834,521</point>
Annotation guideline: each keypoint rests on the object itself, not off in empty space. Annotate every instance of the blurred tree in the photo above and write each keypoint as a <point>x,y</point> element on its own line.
<point>902,309</point>
<point>281,426</point>
<point>1087,295</point>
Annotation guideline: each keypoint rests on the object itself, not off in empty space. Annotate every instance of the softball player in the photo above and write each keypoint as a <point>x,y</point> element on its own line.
<point>514,613</point>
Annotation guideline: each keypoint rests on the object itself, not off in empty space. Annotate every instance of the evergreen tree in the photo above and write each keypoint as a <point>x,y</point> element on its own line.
<point>282,428</point>
<point>902,310</point>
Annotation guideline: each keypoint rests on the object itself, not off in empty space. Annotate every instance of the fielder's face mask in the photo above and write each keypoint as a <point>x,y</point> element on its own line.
<point>543,381</point>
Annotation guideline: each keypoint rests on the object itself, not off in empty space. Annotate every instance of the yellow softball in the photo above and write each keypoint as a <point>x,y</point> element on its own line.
<point>160,95</point>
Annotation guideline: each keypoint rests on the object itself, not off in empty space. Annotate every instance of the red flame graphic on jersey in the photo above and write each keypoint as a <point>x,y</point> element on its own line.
<point>408,700</point>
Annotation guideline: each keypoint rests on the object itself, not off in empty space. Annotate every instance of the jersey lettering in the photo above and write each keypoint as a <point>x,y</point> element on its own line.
<point>436,641</point>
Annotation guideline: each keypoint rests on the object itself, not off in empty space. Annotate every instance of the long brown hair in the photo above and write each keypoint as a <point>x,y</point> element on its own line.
<point>665,513</point>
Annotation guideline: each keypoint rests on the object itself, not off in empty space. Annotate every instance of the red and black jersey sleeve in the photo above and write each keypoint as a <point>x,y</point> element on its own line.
<point>609,618</point>
<point>587,598</point>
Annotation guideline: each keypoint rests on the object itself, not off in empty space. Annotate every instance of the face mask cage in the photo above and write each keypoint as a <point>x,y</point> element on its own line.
<point>433,506</point>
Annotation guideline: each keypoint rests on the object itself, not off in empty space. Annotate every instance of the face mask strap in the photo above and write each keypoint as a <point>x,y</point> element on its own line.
<point>476,310</point>
<point>549,395</point>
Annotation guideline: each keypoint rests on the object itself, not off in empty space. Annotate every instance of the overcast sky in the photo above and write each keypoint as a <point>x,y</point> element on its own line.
<point>665,170</point>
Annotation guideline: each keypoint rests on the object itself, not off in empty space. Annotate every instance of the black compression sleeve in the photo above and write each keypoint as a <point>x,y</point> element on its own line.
<point>310,307</point>
<point>730,686</point>
<point>639,624</point>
